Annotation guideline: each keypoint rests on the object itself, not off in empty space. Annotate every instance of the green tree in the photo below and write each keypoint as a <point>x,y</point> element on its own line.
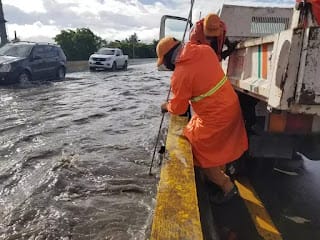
<point>133,38</point>
<point>79,44</point>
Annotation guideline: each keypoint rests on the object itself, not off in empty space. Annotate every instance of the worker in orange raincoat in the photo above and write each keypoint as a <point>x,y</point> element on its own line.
<point>216,130</point>
<point>211,30</point>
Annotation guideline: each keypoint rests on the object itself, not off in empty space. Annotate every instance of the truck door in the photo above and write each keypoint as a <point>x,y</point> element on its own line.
<point>175,26</point>
<point>119,58</point>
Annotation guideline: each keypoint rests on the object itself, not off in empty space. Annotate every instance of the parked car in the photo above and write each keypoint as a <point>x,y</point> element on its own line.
<point>27,61</point>
<point>108,58</point>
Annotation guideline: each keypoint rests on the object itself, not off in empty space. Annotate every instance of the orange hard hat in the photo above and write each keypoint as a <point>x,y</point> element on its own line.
<point>164,46</point>
<point>211,25</point>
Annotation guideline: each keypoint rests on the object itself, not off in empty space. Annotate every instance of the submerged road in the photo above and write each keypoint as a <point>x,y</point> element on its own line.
<point>75,155</point>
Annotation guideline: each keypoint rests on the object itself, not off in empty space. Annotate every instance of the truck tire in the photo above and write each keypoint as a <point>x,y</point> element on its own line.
<point>125,65</point>
<point>114,66</point>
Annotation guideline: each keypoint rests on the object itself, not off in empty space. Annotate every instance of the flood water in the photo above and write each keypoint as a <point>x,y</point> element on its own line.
<point>75,155</point>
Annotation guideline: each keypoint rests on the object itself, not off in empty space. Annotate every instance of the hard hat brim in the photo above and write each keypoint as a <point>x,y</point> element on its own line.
<point>211,32</point>
<point>159,61</point>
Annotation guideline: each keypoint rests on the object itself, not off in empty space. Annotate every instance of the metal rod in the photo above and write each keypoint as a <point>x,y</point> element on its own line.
<point>156,144</point>
<point>188,21</point>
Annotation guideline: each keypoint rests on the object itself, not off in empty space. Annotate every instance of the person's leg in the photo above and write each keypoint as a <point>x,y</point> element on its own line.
<point>217,175</point>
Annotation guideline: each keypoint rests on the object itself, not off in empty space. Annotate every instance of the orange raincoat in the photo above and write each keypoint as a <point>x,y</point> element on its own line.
<point>197,36</point>
<point>216,130</point>
<point>315,9</point>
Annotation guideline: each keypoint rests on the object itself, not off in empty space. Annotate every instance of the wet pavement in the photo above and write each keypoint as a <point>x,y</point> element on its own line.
<point>292,202</point>
<point>75,155</point>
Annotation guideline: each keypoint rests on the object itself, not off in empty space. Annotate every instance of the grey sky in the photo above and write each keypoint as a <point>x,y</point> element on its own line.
<point>110,19</point>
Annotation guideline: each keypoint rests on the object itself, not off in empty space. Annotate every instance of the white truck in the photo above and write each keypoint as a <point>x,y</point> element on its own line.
<point>108,58</point>
<point>275,71</point>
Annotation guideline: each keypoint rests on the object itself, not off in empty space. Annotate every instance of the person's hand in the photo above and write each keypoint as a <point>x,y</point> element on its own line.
<point>233,45</point>
<point>164,108</point>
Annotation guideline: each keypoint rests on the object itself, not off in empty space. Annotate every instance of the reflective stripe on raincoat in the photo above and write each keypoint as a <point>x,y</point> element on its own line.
<point>211,91</point>
<point>216,130</point>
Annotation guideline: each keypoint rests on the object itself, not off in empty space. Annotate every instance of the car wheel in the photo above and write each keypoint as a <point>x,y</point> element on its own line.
<point>125,65</point>
<point>114,66</point>
<point>92,69</point>
<point>61,73</point>
<point>24,77</point>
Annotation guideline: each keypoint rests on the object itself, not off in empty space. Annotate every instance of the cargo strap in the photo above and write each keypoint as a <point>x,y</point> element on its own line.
<point>211,91</point>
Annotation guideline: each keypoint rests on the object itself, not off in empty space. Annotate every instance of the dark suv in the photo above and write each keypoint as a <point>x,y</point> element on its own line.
<point>27,61</point>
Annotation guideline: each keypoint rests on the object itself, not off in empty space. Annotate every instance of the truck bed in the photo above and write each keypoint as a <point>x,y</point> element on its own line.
<point>281,69</point>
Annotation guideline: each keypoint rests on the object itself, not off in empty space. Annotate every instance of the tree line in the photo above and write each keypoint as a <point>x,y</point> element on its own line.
<point>79,44</point>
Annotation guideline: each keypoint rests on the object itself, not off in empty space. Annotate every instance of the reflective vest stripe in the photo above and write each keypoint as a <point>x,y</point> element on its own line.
<point>211,91</point>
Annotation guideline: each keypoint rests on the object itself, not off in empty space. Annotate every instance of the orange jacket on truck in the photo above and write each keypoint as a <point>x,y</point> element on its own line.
<point>315,8</point>
<point>216,130</point>
<point>197,36</point>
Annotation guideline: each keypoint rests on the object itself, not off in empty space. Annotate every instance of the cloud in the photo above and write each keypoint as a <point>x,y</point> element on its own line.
<point>109,19</point>
<point>27,6</point>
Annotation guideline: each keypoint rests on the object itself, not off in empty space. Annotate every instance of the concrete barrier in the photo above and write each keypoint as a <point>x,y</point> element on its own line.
<point>176,215</point>
<point>77,66</point>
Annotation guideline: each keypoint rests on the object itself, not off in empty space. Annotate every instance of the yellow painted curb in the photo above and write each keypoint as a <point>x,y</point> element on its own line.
<point>177,214</point>
<point>259,215</point>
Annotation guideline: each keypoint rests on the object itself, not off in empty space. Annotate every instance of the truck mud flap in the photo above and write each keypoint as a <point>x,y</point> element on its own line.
<point>310,147</point>
<point>284,146</point>
<point>271,146</point>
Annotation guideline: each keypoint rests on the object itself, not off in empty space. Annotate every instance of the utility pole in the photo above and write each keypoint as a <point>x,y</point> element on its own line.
<point>3,32</point>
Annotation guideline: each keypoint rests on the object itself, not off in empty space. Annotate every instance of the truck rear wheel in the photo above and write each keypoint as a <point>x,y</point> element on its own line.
<point>125,65</point>
<point>114,66</point>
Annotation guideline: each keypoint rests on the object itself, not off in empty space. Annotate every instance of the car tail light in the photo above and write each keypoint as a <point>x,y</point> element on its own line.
<point>277,122</point>
<point>299,123</point>
<point>290,123</point>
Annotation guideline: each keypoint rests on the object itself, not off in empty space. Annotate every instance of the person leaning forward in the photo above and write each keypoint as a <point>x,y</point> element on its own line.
<point>216,130</point>
<point>211,30</point>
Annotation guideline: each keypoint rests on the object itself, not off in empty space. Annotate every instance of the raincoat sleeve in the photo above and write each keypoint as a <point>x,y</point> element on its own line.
<point>182,92</point>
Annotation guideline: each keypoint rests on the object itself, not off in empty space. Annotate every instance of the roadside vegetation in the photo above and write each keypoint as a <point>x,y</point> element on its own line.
<point>79,44</point>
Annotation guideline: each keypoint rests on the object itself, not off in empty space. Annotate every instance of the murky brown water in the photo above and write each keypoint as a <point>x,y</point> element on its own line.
<point>75,155</point>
